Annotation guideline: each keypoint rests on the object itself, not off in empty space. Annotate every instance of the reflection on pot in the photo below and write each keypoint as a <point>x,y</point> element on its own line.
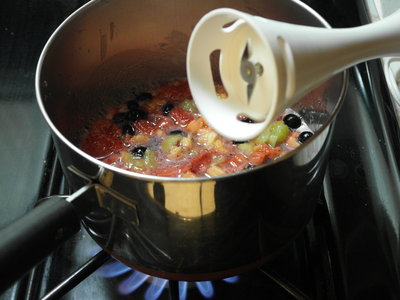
<point>195,200</point>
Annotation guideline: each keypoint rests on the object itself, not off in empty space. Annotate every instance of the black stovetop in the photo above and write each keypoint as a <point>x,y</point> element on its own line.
<point>349,250</point>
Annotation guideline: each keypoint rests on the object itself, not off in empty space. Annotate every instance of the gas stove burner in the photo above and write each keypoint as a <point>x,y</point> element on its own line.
<point>156,286</point>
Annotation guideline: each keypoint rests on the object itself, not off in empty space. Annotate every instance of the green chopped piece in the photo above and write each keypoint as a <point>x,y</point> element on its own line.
<point>170,141</point>
<point>189,106</point>
<point>150,158</point>
<point>138,164</point>
<point>133,162</point>
<point>274,134</point>
<point>127,157</point>
<point>246,148</point>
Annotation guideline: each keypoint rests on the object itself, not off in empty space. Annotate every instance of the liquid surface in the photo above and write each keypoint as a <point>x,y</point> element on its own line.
<point>160,132</point>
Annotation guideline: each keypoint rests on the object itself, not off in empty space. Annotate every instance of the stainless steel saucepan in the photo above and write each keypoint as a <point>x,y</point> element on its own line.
<point>176,228</point>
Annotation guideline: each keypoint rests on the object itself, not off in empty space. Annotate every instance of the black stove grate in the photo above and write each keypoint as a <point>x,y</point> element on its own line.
<point>78,276</point>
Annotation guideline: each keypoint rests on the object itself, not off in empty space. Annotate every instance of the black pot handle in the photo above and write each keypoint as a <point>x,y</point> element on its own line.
<point>28,240</point>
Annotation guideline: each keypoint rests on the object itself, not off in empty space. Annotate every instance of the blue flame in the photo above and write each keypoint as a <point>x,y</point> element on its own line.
<point>155,289</point>
<point>233,279</point>
<point>205,288</point>
<point>183,290</point>
<point>132,283</point>
<point>113,270</point>
<point>136,279</point>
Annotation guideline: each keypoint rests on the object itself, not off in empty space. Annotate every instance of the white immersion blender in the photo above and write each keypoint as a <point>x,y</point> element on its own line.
<point>266,66</point>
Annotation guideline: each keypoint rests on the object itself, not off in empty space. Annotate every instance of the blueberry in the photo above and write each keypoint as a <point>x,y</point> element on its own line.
<point>139,151</point>
<point>167,108</point>
<point>304,136</point>
<point>136,114</point>
<point>144,96</point>
<point>128,129</point>
<point>292,121</point>
<point>173,132</point>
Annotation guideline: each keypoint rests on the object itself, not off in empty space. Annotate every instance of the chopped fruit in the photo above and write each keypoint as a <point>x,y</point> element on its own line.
<point>274,134</point>
<point>144,127</point>
<point>189,106</point>
<point>292,140</point>
<point>257,158</point>
<point>175,92</point>
<point>101,145</point>
<point>170,141</point>
<point>206,136</point>
<point>139,139</point>
<point>161,133</point>
<point>201,163</point>
<point>263,153</point>
<point>292,121</point>
<point>304,136</point>
<point>173,171</point>
<point>195,125</point>
<point>235,163</point>
<point>150,158</point>
<point>164,122</point>
<point>133,162</point>
<point>246,148</point>
<point>215,171</point>
<point>181,116</point>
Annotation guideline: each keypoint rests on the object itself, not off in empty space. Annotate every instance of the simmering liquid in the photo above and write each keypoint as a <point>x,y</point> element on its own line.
<point>160,132</point>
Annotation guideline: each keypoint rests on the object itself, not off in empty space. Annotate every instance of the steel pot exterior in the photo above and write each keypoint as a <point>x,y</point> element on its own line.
<point>189,229</point>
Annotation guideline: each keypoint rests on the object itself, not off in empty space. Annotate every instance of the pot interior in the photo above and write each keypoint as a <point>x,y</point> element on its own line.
<point>109,50</point>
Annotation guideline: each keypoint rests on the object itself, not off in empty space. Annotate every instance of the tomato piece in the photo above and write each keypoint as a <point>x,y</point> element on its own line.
<point>238,161</point>
<point>257,158</point>
<point>164,122</point>
<point>181,116</point>
<point>144,127</point>
<point>173,171</point>
<point>101,145</point>
<point>175,92</point>
<point>167,172</point>
<point>270,152</point>
<point>112,158</point>
<point>201,163</point>
<point>234,163</point>
<point>195,125</point>
<point>263,154</point>
<point>106,126</point>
